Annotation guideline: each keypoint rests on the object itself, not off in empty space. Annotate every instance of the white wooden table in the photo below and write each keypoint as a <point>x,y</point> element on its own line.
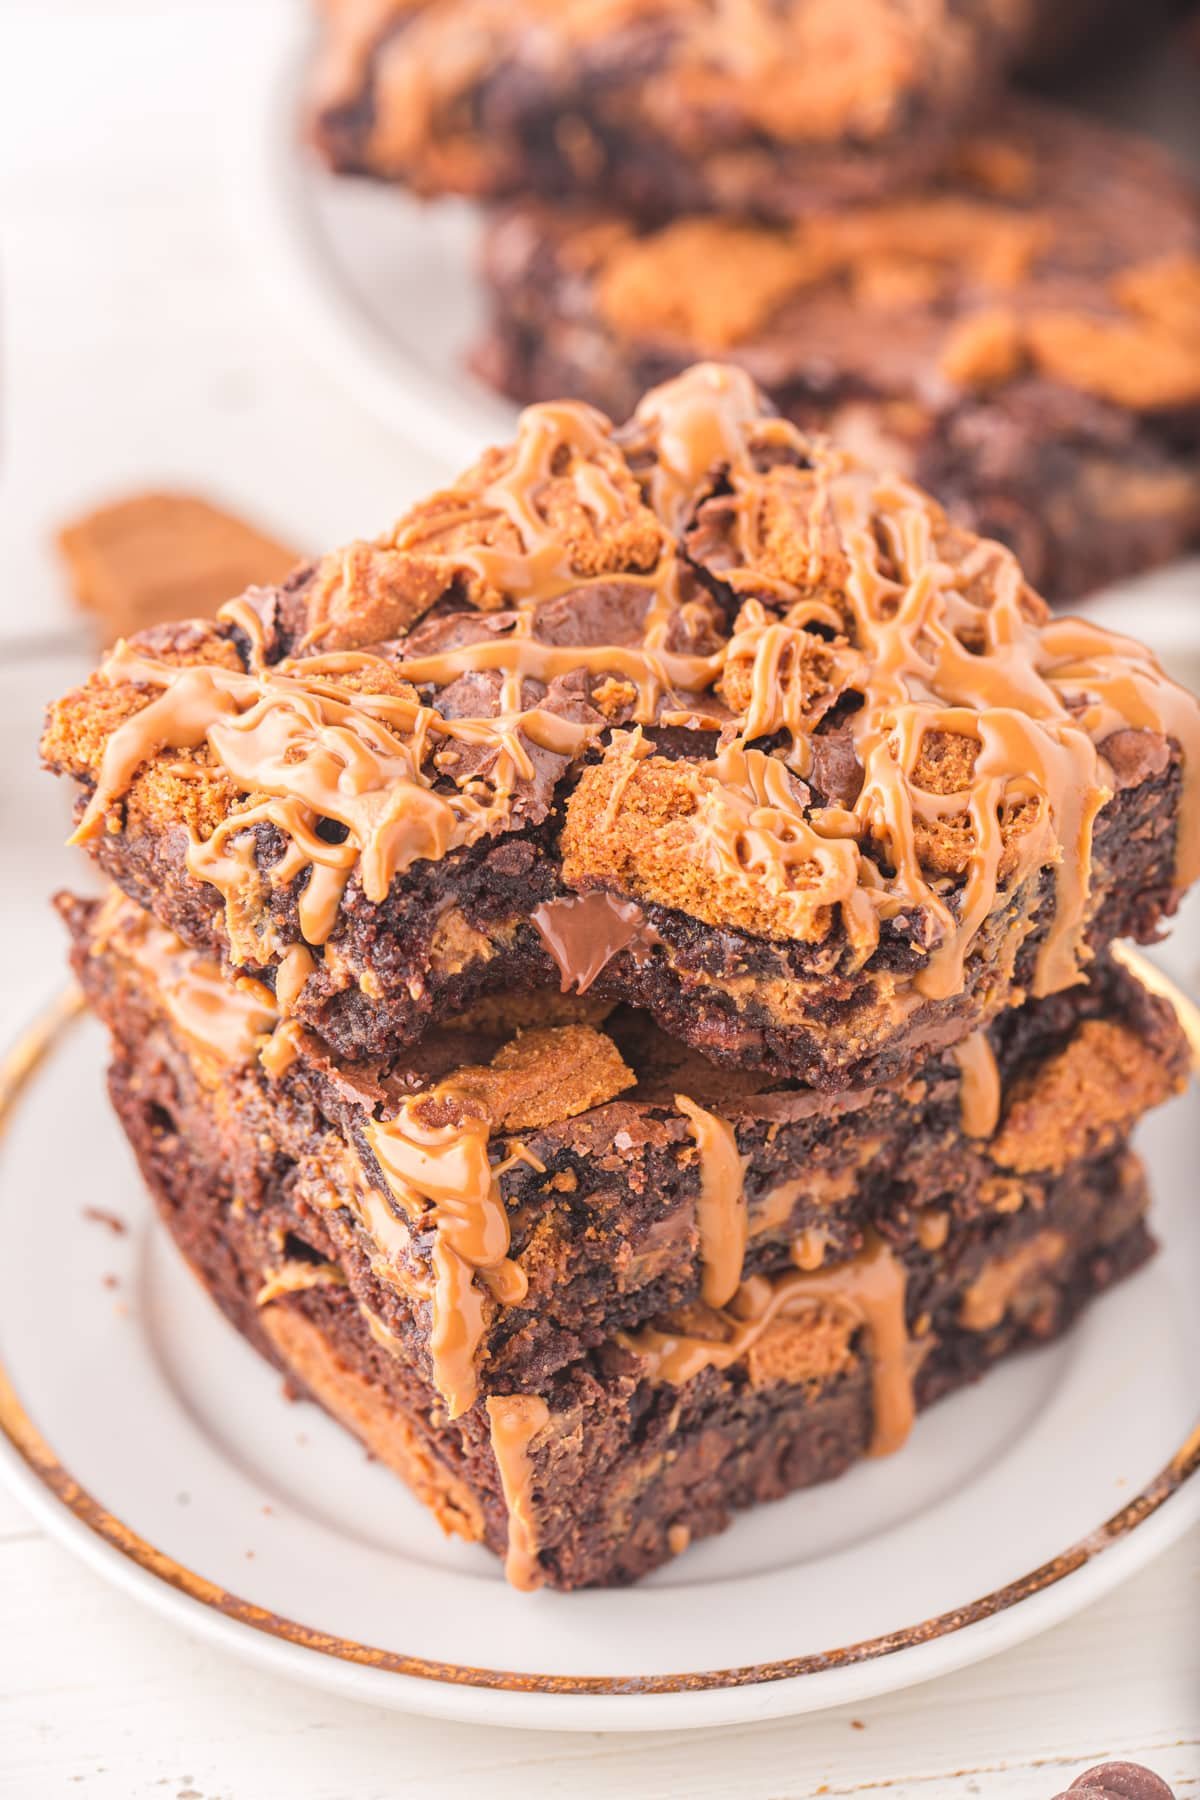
<point>137,348</point>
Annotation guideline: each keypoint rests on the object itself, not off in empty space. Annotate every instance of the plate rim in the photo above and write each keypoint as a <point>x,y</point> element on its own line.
<point>1140,1529</point>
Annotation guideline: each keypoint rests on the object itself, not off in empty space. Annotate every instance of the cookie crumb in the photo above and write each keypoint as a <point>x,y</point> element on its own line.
<point>98,1216</point>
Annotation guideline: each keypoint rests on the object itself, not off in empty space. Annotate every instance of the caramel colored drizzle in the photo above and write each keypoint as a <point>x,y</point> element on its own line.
<point>315,753</point>
<point>515,1422</point>
<point>227,1021</point>
<point>295,967</point>
<point>935,636</point>
<point>1114,682</point>
<point>721,1213</point>
<point>340,1182</point>
<point>870,1289</point>
<point>298,1278</point>
<point>808,1249</point>
<point>696,425</point>
<point>776,1206</point>
<point>989,1297</point>
<point>979,1086</point>
<point>932,1228</point>
<point>282,1048</point>
<point>440,1175</point>
<point>230,1021</point>
<point>385,1338</point>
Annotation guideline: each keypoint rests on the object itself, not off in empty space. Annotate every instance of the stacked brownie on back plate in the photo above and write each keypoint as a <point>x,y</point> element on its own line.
<point>1021,335</point>
<point>612,987</point>
<point>995,297</point>
<point>665,105</point>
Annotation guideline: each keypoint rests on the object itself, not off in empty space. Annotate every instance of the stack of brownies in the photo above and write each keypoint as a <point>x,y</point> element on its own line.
<point>610,983</point>
<point>991,293</point>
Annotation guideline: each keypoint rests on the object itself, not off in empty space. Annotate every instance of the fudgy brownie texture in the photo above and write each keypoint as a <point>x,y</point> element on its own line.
<point>1021,335</point>
<point>504,1200</point>
<point>695,714</point>
<point>657,1438</point>
<point>758,109</point>
<point>1070,39</point>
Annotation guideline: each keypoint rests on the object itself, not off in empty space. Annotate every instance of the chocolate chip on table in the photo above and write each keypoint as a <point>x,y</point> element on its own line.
<point>1119,1781</point>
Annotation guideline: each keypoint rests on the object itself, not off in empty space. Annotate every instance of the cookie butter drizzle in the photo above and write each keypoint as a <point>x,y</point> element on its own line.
<point>515,1421</point>
<point>437,1169</point>
<point>434,1158</point>
<point>979,1087</point>
<point>721,1213</point>
<point>305,744</point>
<point>230,1022</point>
<point>869,1290</point>
<point>931,633</point>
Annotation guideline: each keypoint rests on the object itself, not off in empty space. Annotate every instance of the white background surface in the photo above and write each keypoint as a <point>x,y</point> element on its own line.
<point>137,347</point>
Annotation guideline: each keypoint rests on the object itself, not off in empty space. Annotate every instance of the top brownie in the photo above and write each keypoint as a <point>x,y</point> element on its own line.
<point>693,713</point>
<point>762,109</point>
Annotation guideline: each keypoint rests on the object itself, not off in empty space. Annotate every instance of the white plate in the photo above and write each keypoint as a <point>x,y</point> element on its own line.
<point>143,1432</point>
<point>379,287</point>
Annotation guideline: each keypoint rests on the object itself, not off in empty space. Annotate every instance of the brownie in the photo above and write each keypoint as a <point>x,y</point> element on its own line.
<point>658,1437</point>
<point>1021,335</point>
<point>506,1199</point>
<point>769,109</point>
<point>696,715</point>
<point>1070,39</point>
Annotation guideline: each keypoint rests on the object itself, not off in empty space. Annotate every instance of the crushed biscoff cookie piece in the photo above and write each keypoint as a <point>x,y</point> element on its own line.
<point>159,557</point>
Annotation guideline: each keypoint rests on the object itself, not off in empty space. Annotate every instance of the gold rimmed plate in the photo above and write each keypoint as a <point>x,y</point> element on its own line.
<point>146,1435</point>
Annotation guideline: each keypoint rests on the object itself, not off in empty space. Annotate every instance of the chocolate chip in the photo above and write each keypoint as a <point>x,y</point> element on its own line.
<point>1119,1781</point>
